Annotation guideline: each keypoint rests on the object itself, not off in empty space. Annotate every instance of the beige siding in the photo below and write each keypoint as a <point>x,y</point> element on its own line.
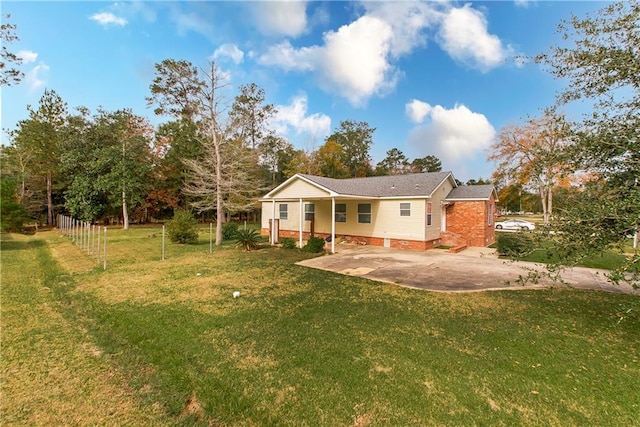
<point>433,231</point>
<point>299,188</point>
<point>386,221</point>
<point>293,217</point>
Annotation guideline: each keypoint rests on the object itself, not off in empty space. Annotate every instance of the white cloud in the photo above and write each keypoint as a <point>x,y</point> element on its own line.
<point>229,50</point>
<point>417,110</point>
<point>453,135</point>
<point>408,20</point>
<point>522,3</point>
<point>108,18</point>
<point>27,56</point>
<point>192,21</point>
<point>281,18</point>
<point>352,62</point>
<point>464,36</point>
<point>357,61</point>
<point>289,58</point>
<point>35,78</point>
<point>293,117</point>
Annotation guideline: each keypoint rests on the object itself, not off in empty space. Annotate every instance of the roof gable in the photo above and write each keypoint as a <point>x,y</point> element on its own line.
<point>472,192</point>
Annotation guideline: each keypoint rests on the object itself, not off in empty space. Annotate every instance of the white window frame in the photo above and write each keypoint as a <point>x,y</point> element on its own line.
<point>341,215</point>
<point>405,209</point>
<point>363,216</point>
<point>429,214</point>
<point>309,211</point>
<point>283,214</point>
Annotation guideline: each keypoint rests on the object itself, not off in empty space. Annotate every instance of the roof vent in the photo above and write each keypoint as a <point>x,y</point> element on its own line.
<point>393,187</point>
<point>417,186</point>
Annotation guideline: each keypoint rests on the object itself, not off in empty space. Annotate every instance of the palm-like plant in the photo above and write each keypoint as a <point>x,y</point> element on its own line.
<point>247,238</point>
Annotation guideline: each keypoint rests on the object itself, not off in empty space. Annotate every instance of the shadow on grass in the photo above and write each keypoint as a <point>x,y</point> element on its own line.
<point>7,243</point>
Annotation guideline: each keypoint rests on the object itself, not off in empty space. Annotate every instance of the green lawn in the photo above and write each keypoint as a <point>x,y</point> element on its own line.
<point>152,342</point>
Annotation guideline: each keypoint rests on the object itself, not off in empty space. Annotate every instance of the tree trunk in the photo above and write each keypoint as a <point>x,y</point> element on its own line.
<point>49,200</point>
<point>550,203</point>
<point>125,214</point>
<point>219,207</point>
<point>543,199</point>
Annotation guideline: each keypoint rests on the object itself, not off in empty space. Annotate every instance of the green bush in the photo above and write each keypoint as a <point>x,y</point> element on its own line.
<point>314,245</point>
<point>229,230</point>
<point>288,243</point>
<point>12,214</point>
<point>514,244</point>
<point>247,238</point>
<point>183,228</point>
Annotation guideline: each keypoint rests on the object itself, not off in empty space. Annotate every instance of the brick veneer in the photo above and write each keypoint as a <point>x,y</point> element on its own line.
<point>373,241</point>
<point>467,223</point>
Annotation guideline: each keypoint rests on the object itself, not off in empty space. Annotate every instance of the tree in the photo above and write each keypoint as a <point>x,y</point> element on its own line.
<point>109,157</point>
<point>356,140</point>
<point>329,159</point>
<point>40,136</point>
<point>250,115</point>
<point>225,173</point>
<point>276,154</point>
<point>396,163</point>
<point>531,155</point>
<point>302,162</point>
<point>426,164</point>
<point>8,74</point>
<point>600,58</point>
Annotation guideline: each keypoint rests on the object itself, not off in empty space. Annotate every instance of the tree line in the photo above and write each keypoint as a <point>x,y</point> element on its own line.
<point>214,155</point>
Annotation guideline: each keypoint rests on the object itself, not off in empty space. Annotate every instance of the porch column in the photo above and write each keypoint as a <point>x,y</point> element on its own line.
<point>301,223</point>
<point>272,238</point>
<point>333,225</point>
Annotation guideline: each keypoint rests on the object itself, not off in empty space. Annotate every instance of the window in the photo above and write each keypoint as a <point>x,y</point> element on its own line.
<point>428,213</point>
<point>364,213</point>
<point>284,211</point>
<point>341,212</point>
<point>309,211</point>
<point>405,209</point>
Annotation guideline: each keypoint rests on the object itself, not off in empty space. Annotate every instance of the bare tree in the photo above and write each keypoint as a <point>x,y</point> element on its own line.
<point>532,155</point>
<point>222,177</point>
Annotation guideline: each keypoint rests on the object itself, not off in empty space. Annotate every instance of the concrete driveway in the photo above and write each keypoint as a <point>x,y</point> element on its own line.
<point>474,269</point>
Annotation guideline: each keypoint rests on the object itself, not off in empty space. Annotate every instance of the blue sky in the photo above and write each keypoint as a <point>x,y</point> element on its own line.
<point>434,78</point>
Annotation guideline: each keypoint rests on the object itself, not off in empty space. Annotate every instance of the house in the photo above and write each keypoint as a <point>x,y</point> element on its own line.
<point>414,211</point>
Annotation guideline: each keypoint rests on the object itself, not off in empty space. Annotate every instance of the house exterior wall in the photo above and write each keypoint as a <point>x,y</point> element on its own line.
<point>386,221</point>
<point>471,223</point>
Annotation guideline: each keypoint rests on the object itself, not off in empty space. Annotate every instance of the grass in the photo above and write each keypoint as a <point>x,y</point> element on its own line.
<point>164,342</point>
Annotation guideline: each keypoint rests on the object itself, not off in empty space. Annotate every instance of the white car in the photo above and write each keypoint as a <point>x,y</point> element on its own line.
<point>515,224</point>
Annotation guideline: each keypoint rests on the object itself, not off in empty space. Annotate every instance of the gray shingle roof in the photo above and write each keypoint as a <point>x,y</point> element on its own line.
<point>477,192</point>
<point>411,185</point>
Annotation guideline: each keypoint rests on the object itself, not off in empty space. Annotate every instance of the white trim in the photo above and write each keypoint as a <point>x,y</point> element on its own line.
<point>333,225</point>
<point>301,225</point>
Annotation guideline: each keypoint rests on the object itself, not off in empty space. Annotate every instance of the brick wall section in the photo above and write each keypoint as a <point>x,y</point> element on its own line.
<point>467,223</point>
<point>373,241</point>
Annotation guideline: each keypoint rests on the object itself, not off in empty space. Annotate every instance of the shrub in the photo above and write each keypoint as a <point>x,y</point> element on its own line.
<point>12,214</point>
<point>288,243</point>
<point>514,244</point>
<point>229,230</point>
<point>314,245</point>
<point>247,238</point>
<point>183,228</point>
